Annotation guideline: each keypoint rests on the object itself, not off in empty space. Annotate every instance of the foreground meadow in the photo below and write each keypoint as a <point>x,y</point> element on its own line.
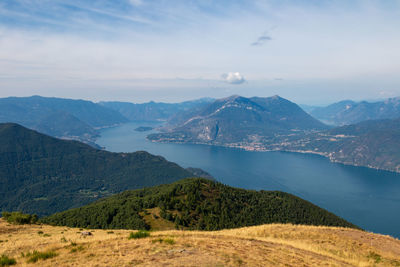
<point>265,245</point>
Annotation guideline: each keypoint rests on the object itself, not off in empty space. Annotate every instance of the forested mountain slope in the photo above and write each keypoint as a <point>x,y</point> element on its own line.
<point>195,204</point>
<point>41,174</point>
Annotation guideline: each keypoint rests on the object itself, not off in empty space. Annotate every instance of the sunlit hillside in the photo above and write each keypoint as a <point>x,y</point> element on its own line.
<point>266,245</point>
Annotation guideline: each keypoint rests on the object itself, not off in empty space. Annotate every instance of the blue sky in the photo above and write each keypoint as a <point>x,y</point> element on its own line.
<point>312,52</point>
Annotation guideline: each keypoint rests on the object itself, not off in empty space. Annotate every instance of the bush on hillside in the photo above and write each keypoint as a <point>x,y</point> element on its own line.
<point>19,218</point>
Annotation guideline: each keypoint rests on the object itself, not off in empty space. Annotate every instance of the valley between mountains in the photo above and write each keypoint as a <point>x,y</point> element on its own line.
<point>345,132</point>
<point>86,196</point>
<point>276,124</point>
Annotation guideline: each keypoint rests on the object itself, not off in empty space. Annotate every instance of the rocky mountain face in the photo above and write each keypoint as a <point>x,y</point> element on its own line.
<point>350,112</point>
<point>238,119</point>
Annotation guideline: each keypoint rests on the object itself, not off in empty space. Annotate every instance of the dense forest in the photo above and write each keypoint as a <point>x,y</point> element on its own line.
<point>196,203</point>
<point>41,174</point>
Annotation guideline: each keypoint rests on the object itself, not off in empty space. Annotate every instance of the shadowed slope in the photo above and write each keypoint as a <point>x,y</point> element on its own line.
<point>41,174</point>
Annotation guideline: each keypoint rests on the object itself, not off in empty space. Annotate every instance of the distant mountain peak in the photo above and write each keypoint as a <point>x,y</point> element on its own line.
<point>230,98</point>
<point>237,119</point>
<point>349,112</point>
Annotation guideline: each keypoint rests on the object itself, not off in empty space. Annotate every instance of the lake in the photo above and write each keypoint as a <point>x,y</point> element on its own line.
<point>366,197</point>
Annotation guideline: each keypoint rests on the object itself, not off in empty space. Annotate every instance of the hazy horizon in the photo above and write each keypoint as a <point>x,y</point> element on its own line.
<point>194,99</point>
<point>310,52</point>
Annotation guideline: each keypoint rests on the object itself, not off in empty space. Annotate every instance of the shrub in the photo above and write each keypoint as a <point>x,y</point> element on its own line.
<point>375,257</point>
<point>6,261</point>
<point>19,218</point>
<point>169,241</point>
<point>139,234</point>
<point>160,240</point>
<point>76,249</point>
<point>35,256</point>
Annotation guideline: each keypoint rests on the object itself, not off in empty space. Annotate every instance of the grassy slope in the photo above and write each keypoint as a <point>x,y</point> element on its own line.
<point>265,245</point>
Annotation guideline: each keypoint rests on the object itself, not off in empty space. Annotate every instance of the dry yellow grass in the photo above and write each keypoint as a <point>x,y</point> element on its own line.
<point>266,245</point>
<point>159,223</point>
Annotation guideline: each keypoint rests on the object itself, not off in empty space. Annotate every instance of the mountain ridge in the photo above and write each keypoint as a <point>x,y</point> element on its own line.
<point>153,111</point>
<point>59,117</point>
<point>350,112</point>
<point>237,119</point>
<point>41,174</point>
<point>195,203</point>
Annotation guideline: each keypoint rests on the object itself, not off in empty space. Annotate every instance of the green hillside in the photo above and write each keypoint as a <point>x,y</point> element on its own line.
<point>41,174</point>
<point>195,204</point>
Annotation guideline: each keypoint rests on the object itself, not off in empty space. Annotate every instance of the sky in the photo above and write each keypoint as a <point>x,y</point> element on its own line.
<point>309,51</point>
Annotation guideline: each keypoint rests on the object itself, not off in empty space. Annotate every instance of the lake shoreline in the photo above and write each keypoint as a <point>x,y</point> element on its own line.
<point>252,149</point>
<point>364,196</point>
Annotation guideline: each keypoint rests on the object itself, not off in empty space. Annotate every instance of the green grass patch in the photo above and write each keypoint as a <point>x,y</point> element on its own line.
<point>76,249</point>
<point>36,255</point>
<point>7,261</point>
<point>139,234</point>
<point>168,241</point>
<point>375,257</point>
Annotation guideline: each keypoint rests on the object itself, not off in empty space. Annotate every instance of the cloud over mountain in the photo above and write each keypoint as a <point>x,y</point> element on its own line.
<point>233,78</point>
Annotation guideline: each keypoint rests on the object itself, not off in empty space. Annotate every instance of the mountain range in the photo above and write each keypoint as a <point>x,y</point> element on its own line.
<point>238,120</point>
<point>153,111</point>
<point>349,112</point>
<point>373,143</point>
<point>41,174</point>
<point>58,117</point>
<point>256,123</point>
<point>80,120</point>
<point>276,124</point>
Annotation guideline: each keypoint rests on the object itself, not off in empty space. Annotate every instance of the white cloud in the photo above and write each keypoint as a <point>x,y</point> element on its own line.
<point>233,78</point>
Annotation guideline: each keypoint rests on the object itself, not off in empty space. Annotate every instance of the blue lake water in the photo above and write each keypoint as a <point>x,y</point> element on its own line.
<point>366,197</point>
